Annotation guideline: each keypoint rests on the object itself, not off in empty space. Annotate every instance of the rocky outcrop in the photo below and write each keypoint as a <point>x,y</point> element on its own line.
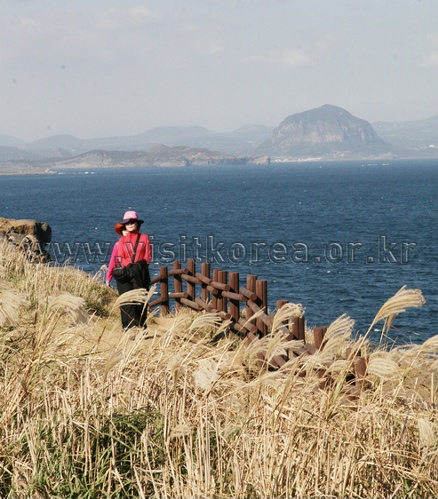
<point>28,235</point>
<point>325,131</point>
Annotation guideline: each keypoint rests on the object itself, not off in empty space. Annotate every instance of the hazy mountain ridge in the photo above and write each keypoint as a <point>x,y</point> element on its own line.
<point>241,141</point>
<point>327,132</point>
<point>412,137</point>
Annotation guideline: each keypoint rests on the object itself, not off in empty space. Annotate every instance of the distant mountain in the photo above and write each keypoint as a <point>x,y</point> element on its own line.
<point>328,131</point>
<point>169,135</point>
<point>68,142</point>
<point>16,154</point>
<point>417,138</point>
<point>163,134</point>
<point>242,141</point>
<point>9,141</point>
<point>158,156</point>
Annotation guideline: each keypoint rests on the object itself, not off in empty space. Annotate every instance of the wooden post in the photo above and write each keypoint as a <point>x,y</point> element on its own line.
<point>302,329</point>
<point>298,328</point>
<point>234,288</point>
<point>164,290</point>
<point>281,303</point>
<point>360,369</point>
<point>318,334</point>
<point>191,288</point>
<point>262,298</point>
<point>214,300</point>
<point>177,285</point>
<point>296,325</point>
<point>205,270</point>
<point>222,301</point>
<point>250,286</point>
<point>294,328</point>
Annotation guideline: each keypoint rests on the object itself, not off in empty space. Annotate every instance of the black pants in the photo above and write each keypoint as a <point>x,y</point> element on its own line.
<point>132,315</point>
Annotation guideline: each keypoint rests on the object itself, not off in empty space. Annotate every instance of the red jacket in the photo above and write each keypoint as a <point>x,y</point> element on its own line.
<point>125,248</point>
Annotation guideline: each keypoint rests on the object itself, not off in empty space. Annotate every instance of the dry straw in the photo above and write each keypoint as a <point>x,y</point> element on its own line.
<point>184,409</point>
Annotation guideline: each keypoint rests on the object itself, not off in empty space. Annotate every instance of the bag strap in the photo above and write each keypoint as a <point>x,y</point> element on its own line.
<point>134,251</point>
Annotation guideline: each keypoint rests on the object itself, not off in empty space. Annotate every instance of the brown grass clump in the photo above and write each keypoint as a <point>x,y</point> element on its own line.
<point>86,411</point>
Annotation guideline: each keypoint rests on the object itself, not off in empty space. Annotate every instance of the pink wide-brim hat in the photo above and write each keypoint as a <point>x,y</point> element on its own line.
<point>131,216</point>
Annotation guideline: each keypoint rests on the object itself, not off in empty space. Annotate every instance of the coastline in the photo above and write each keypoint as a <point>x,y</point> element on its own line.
<point>57,168</point>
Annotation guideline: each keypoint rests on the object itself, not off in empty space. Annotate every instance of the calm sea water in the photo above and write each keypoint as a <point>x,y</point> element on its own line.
<point>337,237</point>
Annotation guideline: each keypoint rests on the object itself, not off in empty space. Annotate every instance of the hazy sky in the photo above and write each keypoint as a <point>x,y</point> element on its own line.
<point>95,68</point>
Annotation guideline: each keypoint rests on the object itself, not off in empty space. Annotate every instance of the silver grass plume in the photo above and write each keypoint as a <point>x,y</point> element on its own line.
<point>335,339</point>
<point>412,361</point>
<point>403,299</point>
<point>285,313</point>
<point>207,321</point>
<point>10,305</point>
<point>73,306</point>
<point>207,373</point>
<point>338,333</point>
<point>382,365</point>
<point>427,433</point>
<point>135,297</point>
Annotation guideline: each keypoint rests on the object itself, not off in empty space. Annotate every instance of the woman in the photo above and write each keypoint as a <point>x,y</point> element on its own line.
<point>133,247</point>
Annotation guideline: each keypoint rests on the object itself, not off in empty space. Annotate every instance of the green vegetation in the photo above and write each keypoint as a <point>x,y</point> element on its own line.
<point>89,411</point>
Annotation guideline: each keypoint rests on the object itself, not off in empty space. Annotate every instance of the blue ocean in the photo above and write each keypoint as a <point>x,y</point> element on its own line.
<point>337,237</point>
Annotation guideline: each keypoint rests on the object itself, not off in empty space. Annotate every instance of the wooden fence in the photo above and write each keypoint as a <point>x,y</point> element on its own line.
<point>219,291</point>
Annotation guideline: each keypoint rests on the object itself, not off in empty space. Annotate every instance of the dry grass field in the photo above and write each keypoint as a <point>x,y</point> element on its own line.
<point>181,409</point>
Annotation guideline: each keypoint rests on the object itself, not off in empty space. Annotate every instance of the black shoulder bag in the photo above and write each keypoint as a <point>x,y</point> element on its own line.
<point>124,274</point>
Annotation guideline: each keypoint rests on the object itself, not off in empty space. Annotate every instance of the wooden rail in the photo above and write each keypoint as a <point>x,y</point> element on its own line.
<point>245,308</point>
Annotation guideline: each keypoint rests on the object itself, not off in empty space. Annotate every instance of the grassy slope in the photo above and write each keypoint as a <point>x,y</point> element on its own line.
<point>85,411</point>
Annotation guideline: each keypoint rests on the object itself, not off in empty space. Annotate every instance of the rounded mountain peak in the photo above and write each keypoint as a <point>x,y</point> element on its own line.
<point>324,131</point>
